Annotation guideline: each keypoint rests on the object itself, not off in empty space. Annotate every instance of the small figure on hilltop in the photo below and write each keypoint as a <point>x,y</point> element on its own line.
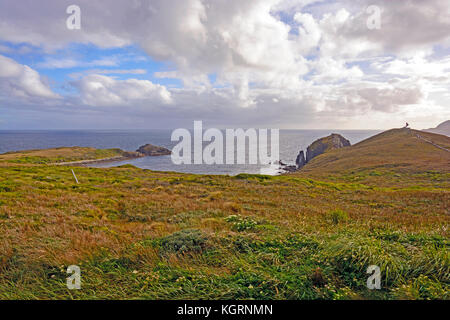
<point>407,125</point>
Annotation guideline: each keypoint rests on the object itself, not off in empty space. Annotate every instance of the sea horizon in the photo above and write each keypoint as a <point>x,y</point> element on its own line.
<point>291,142</point>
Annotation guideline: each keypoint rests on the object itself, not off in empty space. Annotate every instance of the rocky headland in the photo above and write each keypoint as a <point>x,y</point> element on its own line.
<point>318,147</point>
<point>334,141</point>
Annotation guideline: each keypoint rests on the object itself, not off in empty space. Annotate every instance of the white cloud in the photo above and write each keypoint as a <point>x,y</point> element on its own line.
<point>306,58</point>
<point>21,81</point>
<point>99,90</point>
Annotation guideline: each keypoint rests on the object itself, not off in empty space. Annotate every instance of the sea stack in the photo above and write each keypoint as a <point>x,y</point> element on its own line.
<point>300,161</point>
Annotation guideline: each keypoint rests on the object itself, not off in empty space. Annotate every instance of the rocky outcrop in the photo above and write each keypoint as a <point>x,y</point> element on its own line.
<point>334,141</point>
<point>151,150</point>
<point>300,161</point>
<point>131,154</point>
<point>286,167</point>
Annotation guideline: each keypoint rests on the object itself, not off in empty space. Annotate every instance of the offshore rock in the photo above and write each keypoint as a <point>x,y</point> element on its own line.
<point>151,150</point>
<point>300,161</point>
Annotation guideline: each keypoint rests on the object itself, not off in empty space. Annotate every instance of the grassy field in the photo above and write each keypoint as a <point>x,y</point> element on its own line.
<point>138,234</point>
<point>59,155</point>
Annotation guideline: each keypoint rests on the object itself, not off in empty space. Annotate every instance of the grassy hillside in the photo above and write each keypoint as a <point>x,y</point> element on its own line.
<point>58,155</point>
<point>393,158</point>
<point>142,234</point>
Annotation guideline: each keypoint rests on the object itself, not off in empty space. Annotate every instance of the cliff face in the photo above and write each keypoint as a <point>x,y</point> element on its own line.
<point>334,141</point>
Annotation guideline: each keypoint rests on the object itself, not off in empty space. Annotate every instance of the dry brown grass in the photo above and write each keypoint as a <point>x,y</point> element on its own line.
<point>394,157</point>
<point>111,225</point>
<point>55,155</point>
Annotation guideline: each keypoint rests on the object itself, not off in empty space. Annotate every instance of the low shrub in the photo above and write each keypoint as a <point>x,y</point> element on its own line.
<point>241,224</point>
<point>337,216</point>
<point>184,241</point>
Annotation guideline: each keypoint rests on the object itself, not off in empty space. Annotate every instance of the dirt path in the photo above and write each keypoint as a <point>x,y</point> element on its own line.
<point>431,142</point>
<point>82,162</point>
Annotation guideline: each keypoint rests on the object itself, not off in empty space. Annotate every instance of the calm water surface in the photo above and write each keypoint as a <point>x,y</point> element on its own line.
<point>291,142</point>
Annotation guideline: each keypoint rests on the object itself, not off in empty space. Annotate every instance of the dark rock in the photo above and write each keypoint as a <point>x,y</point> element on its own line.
<point>289,168</point>
<point>300,161</point>
<point>151,150</point>
<point>334,141</point>
<point>283,167</point>
<point>131,154</point>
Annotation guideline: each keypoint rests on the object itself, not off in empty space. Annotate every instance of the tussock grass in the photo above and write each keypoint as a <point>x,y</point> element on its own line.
<point>154,235</point>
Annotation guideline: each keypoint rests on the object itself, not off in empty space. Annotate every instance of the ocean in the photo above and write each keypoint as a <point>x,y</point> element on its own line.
<point>291,142</point>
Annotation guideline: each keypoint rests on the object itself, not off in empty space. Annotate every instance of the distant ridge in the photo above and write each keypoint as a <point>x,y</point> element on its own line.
<point>443,128</point>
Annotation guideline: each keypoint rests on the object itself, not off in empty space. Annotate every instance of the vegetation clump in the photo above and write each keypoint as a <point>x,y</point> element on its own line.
<point>184,241</point>
<point>241,223</point>
<point>337,216</point>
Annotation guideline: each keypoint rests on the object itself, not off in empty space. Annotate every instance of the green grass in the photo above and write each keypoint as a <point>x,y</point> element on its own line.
<point>124,227</point>
<point>138,234</point>
<point>59,155</point>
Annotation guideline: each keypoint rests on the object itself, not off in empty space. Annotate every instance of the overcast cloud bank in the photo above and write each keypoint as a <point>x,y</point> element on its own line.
<point>270,63</point>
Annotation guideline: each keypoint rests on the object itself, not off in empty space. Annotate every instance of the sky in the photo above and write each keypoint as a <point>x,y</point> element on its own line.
<point>287,64</point>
